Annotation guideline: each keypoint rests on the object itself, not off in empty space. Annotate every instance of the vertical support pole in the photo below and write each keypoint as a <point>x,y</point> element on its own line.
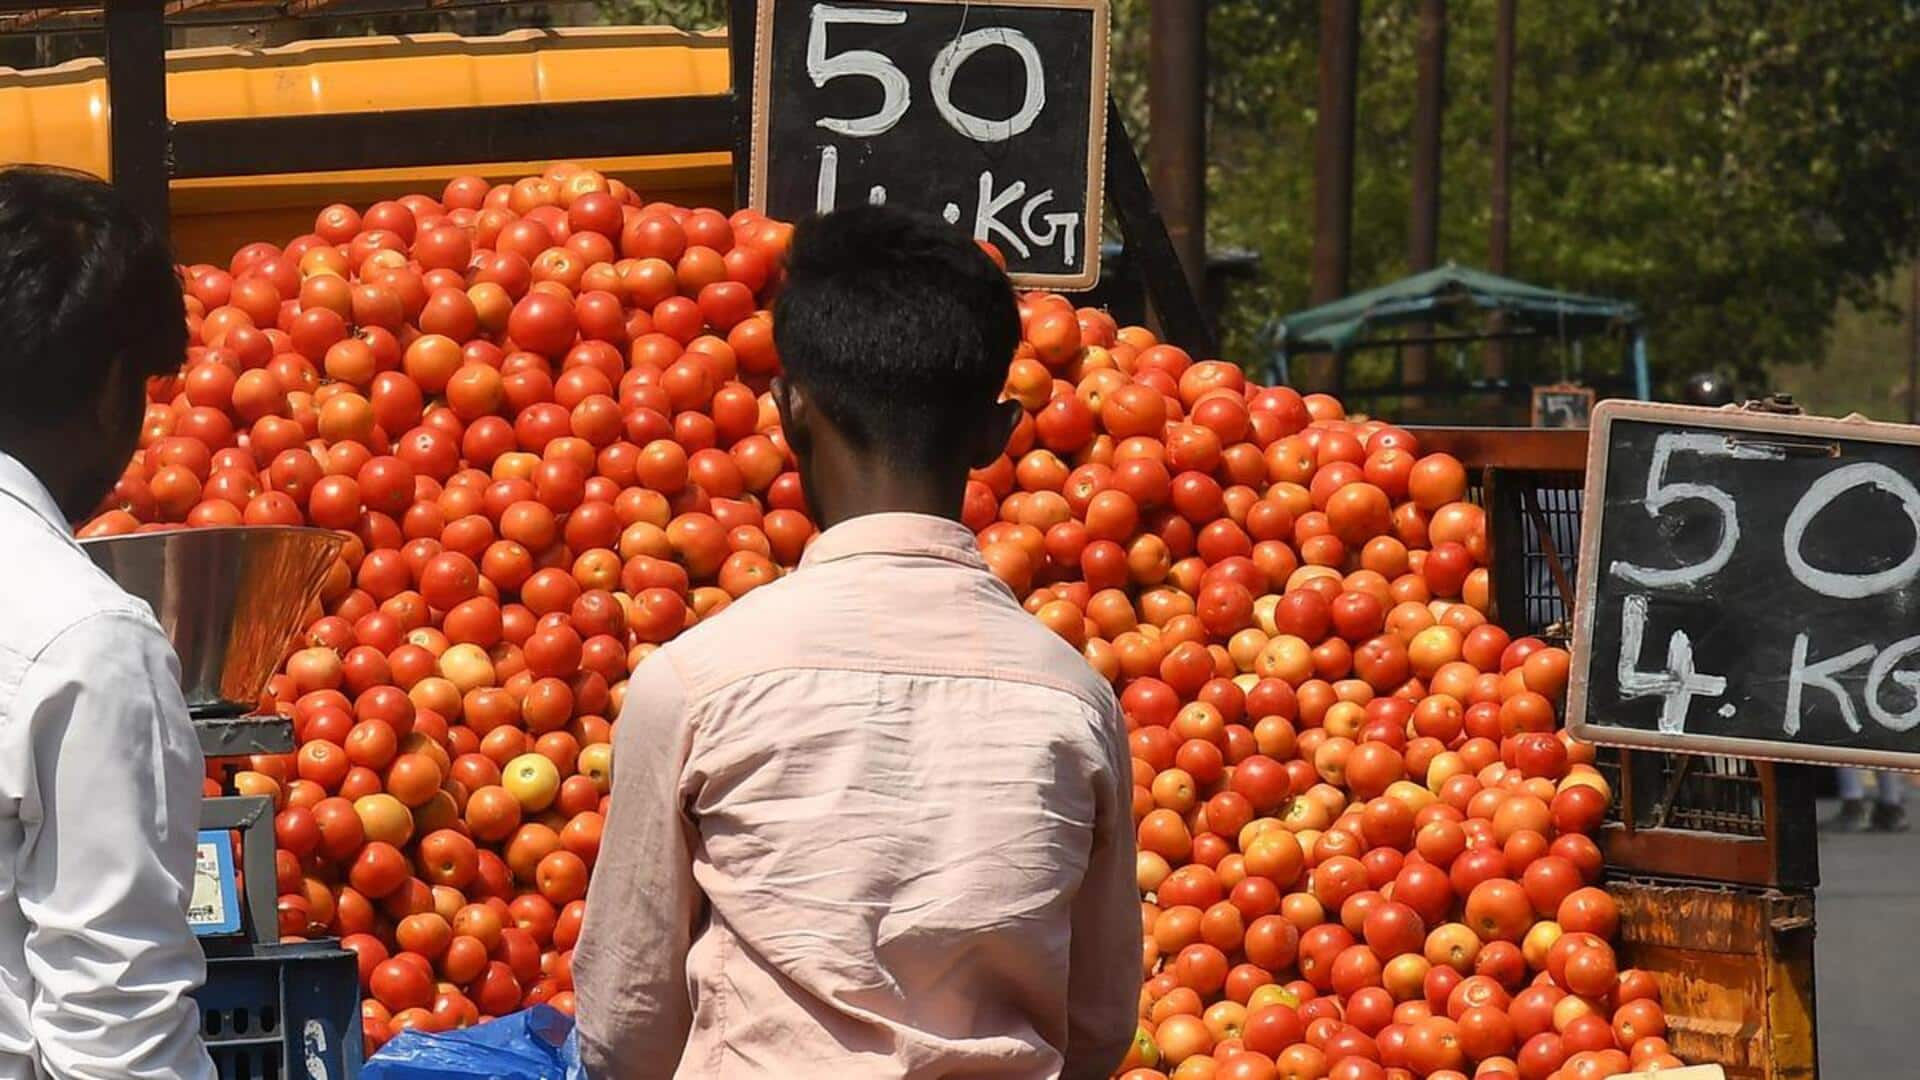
<point>1507,537</point>
<point>1177,108</point>
<point>1787,792</point>
<point>1423,218</point>
<point>1498,188</point>
<point>1333,169</point>
<point>1792,831</point>
<point>1646,777</point>
<point>741,34</point>
<point>140,154</point>
<point>1913,346</point>
<point>1792,1015</point>
<point>1642,378</point>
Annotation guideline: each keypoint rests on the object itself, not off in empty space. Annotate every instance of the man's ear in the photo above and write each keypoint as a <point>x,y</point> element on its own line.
<point>796,412</point>
<point>994,436</point>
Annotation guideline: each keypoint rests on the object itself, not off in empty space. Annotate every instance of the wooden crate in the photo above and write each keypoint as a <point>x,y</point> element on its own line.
<point>1735,967</point>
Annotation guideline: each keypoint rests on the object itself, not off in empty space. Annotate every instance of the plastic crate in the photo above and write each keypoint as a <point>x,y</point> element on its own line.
<point>285,1012</point>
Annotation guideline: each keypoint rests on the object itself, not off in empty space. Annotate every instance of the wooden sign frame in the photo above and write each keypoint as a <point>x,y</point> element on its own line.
<point>1563,390</point>
<point>1853,428</point>
<point>1091,228</point>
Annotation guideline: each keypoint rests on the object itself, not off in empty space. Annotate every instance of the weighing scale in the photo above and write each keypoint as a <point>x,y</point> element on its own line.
<point>231,601</point>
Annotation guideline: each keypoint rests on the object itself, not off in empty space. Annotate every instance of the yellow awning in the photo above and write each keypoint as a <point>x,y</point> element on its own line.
<point>58,115</point>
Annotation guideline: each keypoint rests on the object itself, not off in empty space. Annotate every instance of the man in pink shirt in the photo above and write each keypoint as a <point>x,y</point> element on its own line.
<point>874,820</point>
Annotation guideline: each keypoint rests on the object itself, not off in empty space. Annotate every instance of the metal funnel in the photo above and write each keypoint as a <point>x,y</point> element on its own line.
<point>230,599</point>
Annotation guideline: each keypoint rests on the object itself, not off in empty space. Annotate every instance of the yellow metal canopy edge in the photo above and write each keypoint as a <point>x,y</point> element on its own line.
<point>59,115</point>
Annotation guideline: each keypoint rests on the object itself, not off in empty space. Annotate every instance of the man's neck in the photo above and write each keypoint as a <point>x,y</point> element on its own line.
<point>865,487</point>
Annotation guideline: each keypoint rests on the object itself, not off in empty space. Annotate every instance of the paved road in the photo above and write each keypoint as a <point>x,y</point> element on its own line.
<point>1867,953</point>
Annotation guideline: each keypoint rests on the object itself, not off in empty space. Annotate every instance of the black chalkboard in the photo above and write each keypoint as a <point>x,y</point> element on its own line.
<point>1750,586</point>
<point>990,115</point>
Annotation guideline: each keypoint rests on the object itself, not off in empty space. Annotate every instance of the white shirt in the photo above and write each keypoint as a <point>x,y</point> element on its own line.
<point>99,808</point>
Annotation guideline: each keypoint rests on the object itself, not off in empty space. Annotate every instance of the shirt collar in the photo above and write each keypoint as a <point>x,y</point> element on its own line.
<point>18,481</point>
<point>896,534</point>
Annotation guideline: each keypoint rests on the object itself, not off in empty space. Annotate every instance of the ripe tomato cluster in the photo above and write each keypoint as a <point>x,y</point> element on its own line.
<point>1364,848</point>
<point>537,414</point>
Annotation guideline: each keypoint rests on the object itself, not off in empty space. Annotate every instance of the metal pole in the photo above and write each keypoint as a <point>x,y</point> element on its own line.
<point>1333,169</point>
<point>137,105</point>
<point>741,33</point>
<point>1913,347</point>
<point>1497,236</point>
<point>1423,228</point>
<point>1423,234</point>
<point>1176,108</point>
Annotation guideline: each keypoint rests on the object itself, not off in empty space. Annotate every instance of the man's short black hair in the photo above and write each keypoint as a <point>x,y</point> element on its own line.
<point>84,281</point>
<point>899,327</point>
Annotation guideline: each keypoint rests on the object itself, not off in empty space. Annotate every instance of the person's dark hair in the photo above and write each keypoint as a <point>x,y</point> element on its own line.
<point>899,327</point>
<point>84,281</point>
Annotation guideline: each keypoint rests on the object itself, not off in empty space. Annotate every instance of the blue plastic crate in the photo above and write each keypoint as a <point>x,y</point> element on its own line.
<point>285,1012</point>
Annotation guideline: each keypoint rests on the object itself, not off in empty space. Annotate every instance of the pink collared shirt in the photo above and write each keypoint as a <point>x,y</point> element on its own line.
<point>873,821</point>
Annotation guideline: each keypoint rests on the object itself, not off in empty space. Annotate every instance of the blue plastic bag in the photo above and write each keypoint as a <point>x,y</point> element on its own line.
<point>537,1044</point>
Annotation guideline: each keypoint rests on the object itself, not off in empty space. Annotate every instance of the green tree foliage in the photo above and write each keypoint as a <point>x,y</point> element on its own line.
<point>1737,167</point>
<point>685,14</point>
<point>1864,367</point>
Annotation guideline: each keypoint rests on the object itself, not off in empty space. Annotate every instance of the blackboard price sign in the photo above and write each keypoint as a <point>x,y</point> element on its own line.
<point>1750,586</point>
<point>1562,406</point>
<point>992,116</point>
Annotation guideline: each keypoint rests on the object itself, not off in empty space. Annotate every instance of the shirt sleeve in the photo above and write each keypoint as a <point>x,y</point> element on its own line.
<point>106,863</point>
<point>1103,977</point>
<point>630,967</point>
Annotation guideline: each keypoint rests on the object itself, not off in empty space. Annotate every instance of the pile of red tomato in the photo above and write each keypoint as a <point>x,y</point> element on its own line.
<point>536,411</point>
